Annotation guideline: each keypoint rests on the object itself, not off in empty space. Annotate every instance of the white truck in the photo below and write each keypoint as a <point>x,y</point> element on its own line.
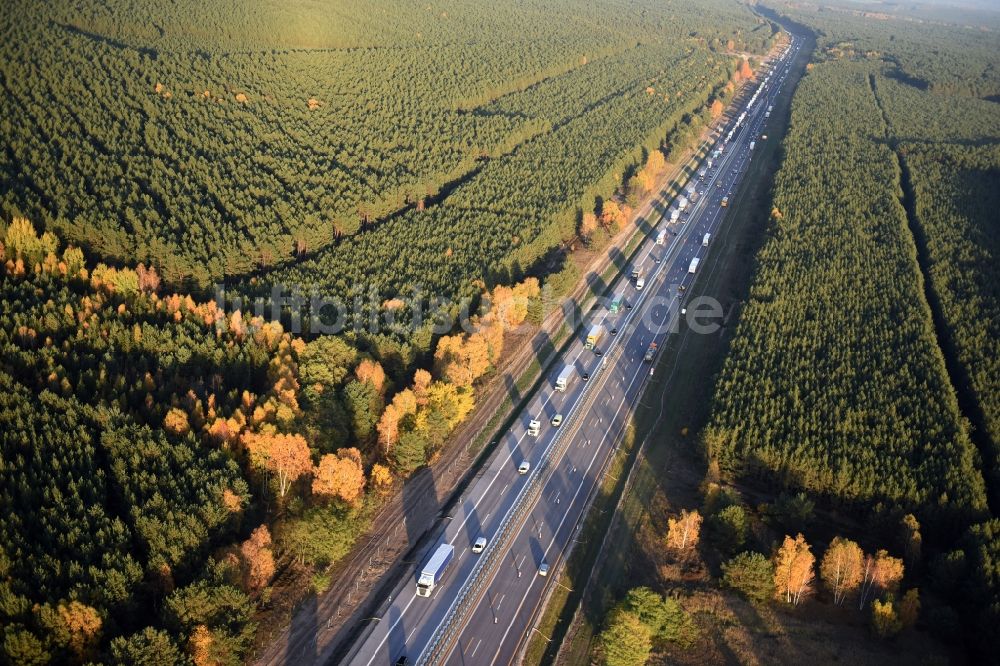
<point>693,267</point>
<point>562,381</point>
<point>752,144</point>
<point>674,215</point>
<point>682,203</point>
<point>433,571</point>
<point>705,239</point>
<point>640,282</point>
<point>534,427</point>
<point>661,237</point>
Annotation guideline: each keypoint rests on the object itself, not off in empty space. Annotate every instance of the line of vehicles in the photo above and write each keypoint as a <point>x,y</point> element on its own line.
<point>435,568</point>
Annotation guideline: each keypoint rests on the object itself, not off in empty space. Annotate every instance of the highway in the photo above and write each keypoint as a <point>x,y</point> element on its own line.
<point>484,606</point>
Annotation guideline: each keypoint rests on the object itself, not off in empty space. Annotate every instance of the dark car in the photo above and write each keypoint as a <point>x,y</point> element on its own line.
<point>628,306</point>
<point>598,352</point>
<point>585,376</point>
<point>614,331</point>
<point>402,661</point>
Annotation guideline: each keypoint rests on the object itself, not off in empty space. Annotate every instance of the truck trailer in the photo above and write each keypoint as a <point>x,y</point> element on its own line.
<point>661,237</point>
<point>675,215</point>
<point>434,570</point>
<point>594,336</point>
<point>562,381</point>
<point>682,203</point>
<point>694,265</point>
<point>650,353</point>
<point>705,239</point>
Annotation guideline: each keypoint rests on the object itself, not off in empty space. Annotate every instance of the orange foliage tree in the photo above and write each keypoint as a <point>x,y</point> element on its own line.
<point>340,475</point>
<point>200,646</point>
<point>287,456</point>
<point>257,559</point>
<point>881,572</point>
<point>81,629</point>
<point>371,371</point>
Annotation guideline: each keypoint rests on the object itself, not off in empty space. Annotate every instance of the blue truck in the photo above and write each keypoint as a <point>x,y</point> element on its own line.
<point>433,571</point>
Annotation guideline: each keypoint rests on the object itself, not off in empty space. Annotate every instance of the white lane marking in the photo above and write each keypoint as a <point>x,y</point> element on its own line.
<point>480,642</point>
<point>378,648</point>
<point>563,520</point>
<point>497,608</point>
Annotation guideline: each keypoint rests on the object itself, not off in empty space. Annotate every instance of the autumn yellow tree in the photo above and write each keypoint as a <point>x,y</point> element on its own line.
<point>286,456</point>
<point>841,568</point>
<point>793,570</point>
<point>257,559</point>
<point>79,629</point>
<point>200,646</point>
<point>716,109</point>
<point>885,619</point>
<point>683,532</point>
<point>461,360</point>
<point>612,215</point>
<point>403,404</point>
<point>881,572</point>
<point>176,422</point>
<point>453,402</point>
<point>745,71</point>
<point>380,478</point>
<point>340,476</point>
<point>371,371</point>
<point>421,380</point>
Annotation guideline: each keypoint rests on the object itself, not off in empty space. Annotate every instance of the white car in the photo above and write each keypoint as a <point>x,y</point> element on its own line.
<point>543,569</point>
<point>479,545</point>
<point>524,467</point>
<point>557,420</point>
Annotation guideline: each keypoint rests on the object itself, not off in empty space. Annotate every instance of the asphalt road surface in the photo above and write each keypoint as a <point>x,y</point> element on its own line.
<point>482,609</point>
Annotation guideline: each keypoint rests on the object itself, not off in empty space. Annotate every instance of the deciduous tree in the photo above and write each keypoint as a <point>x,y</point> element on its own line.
<point>79,629</point>
<point>683,532</point>
<point>793,570</point>
<point>257,559</point>
<point>340,475</point>
<point>842,568</point>
<point>287,456</point>
<point>881,572</point>
<point>885,619</point>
